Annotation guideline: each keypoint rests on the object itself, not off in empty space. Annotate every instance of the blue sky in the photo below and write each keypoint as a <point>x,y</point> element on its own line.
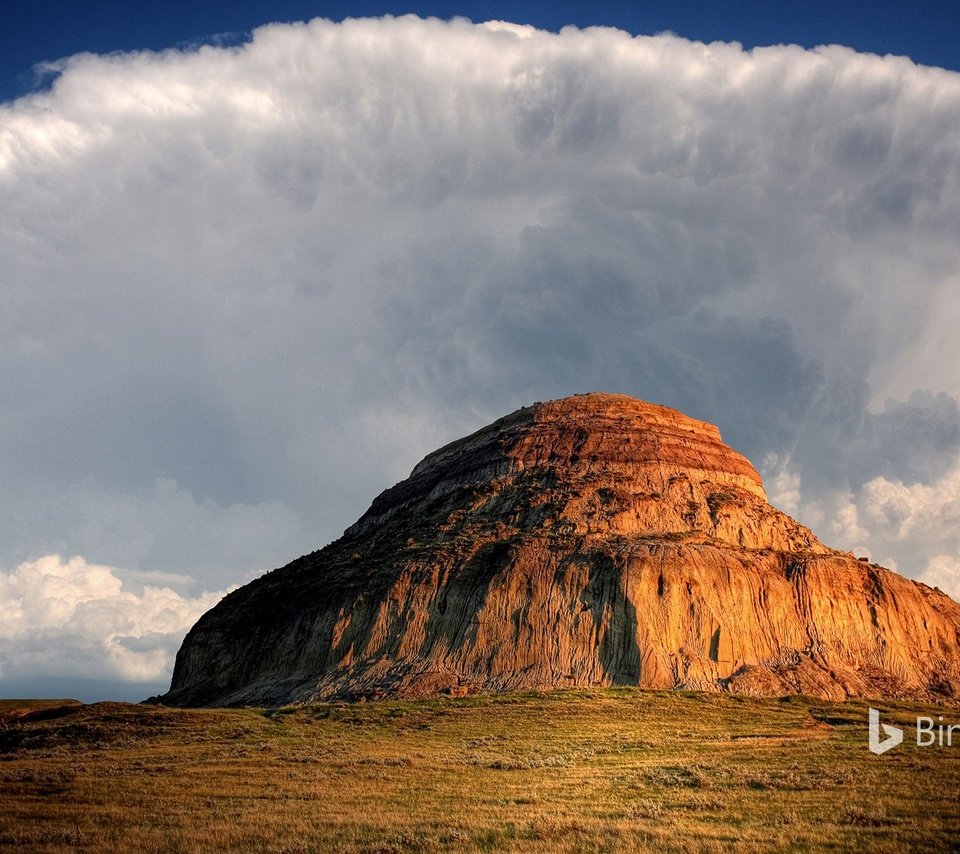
<point>36,32</point>
<point>247,287</point>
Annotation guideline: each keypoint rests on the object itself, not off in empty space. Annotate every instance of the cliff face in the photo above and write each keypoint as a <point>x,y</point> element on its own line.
<point>595,540</point>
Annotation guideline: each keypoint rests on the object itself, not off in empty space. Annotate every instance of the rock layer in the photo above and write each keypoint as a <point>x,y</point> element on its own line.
<point>595,540</point>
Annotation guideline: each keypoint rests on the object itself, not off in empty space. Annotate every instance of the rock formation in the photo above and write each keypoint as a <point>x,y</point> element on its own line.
<point>595,540</point>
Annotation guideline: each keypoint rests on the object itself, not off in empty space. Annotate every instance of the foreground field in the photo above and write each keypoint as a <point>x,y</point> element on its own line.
<point>607,770</point>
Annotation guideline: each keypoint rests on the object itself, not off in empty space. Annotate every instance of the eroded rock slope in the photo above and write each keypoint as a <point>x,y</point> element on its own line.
<point>594,540</point>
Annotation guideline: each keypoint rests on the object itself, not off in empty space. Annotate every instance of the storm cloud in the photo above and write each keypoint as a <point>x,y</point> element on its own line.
<point>247,288</point>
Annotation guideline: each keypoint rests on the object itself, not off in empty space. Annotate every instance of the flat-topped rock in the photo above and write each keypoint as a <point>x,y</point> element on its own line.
<point>593,540</point>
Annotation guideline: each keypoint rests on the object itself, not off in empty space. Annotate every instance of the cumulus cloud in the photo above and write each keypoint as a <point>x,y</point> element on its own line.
<point>943,571</point>
<point>247,287</point>
<point>911,526</point>
<point>67,618</point>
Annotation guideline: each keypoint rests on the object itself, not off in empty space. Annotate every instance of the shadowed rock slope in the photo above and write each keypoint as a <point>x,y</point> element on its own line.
<point>595,540</point>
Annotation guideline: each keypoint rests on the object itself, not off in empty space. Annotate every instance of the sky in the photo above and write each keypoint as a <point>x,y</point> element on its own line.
<point>252,274</point>
<point>34,33</point>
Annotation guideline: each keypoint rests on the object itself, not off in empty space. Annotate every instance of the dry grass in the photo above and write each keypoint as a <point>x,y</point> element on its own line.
<point>607,770</point>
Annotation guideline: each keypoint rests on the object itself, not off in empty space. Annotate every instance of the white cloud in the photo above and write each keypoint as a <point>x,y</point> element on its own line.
<point>783,486</point>
<point>75,619</point>
<point>919,510</point>
<point>845,528</point>
<point>246,288</point>
<point>943,571</point>
<point>911,527</point>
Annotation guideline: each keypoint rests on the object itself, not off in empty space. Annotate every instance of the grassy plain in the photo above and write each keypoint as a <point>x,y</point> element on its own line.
<point>588,771</point>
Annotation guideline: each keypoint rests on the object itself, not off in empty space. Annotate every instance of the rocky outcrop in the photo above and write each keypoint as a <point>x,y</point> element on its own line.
<point>595,540</point>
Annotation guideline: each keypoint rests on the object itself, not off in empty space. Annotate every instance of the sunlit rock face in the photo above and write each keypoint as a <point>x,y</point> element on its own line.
<point>595,540</point>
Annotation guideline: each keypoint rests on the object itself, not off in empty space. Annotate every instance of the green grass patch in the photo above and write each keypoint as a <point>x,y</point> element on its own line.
<point>612,770</point>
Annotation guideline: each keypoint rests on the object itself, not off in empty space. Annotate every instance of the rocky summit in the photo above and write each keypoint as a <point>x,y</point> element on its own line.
<point>595,540</point>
